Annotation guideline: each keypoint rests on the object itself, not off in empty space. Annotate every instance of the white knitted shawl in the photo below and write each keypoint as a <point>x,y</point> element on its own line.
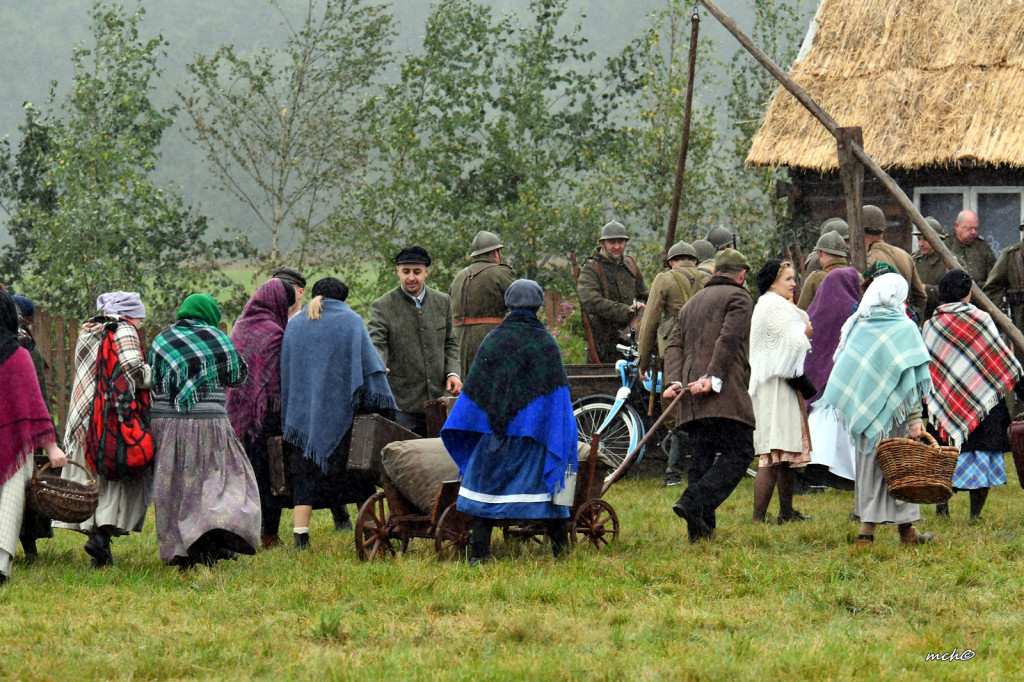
<point>778,342</point>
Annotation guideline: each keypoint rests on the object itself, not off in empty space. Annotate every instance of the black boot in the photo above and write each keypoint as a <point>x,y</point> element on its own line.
<point>342,520</point>
<point>479,541</point>
<point>301,541</point>
<point>558,531</point>
<point>98,547</point>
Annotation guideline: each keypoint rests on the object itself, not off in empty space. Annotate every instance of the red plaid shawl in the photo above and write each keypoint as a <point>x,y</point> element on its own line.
<point>971,369</point>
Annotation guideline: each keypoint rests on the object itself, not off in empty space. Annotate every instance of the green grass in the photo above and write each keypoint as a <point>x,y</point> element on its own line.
<point>758,602</point>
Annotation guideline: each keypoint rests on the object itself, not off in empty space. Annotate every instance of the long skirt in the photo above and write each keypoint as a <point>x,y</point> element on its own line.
<point>204,485</point>
<point>872,502</point>
<point>831,444</point>
<point>123,503</point>
<point>329,489</point>
<point>12,505</point>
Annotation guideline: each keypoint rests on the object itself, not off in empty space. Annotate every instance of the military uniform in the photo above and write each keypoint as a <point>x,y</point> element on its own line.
<point>904,264</point>
<point>930,269</point>
<point>976,258</point>
<point>1007,280</point>
<point>811,266</point>
<point>478,304</point>
<point>607,290</point>
<point>815,279</point>
<point>669,291</point>
<point>418,345</point>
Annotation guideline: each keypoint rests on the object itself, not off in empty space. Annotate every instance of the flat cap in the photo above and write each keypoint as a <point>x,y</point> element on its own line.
<point>524,293</point>
<point>413,255</point>
<point>289,275</point>
<point>731,258</point>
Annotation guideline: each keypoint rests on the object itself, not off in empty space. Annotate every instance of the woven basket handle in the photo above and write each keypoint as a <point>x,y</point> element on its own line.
<point>47,466</point>
<point>930,439</point>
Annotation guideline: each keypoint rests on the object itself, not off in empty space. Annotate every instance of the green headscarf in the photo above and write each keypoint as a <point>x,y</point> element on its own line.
<point>201,307</point>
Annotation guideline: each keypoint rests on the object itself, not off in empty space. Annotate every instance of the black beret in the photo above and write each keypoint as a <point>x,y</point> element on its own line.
<point>953,286</point>
<point>413,255</point>
<point>767,274</point>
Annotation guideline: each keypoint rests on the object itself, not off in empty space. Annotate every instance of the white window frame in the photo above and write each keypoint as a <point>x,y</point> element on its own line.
<point>970,196</point>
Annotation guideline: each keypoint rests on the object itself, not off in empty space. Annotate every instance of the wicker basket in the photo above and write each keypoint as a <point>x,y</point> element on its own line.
<point>62,499</point>
<point>916,471</point>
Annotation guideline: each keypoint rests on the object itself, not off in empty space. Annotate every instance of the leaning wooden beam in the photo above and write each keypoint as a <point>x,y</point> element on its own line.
<point>978,297</point>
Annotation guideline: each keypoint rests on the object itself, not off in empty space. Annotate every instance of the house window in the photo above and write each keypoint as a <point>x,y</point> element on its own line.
<point>1000,210</point>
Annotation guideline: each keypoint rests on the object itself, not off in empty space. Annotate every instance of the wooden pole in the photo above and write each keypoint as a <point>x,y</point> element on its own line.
<point>617,474</point>
<point>684,145</point>
<point>978,297</point>
<point>852,173</point>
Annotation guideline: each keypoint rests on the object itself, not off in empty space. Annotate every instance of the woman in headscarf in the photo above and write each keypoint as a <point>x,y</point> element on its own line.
<point>123,502</point>
<point>972,370</point>
<point>512,430</point>
<point>330,372</point>
<point>254,408</point>
<point>25,426</point>
<point>840,293</point>
<point>206,499</point>
<point>779,333</point>
<point>876,386</point>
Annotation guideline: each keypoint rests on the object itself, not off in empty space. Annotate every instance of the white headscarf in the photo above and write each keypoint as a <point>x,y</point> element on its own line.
<point>888,290</point>
<point>122,304</point>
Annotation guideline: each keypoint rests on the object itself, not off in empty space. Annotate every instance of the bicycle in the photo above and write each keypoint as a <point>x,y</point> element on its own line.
<point>619,418</point>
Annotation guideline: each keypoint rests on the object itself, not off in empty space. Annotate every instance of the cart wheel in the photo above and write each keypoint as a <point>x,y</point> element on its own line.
<point>523,532</point>
<point>451,537</point>
<point>619,438</point>
<point>373,539</point>
<point>595,522</point>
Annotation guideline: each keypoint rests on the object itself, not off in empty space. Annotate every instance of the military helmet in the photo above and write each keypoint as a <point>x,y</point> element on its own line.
<point>836,225</point>
<point>484,242</point>
<point>613,230</point>
<point>934,224</point>
<point>831,243</point>
<point>873,219</point>
<point>720,237</point>
<point>705,250</point>
<point>681,250</point>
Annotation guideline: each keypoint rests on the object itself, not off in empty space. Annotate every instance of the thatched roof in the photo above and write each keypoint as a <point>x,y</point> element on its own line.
<point>929,81</point>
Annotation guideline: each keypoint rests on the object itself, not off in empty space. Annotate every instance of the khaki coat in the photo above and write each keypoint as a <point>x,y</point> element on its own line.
<point>904,264</point>
<point>478,291</point>
<point>814,280</point>
<point>977,258</point>
<point>607,299</point>
<point>670,290</point>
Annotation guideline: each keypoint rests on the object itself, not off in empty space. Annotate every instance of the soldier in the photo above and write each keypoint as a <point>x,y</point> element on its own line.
<point>970,248</point>
<point>611,290</point>
<point>1006,282</point>
<point>831,225</point>
<point>705,258</point>
<point>873,220</point>
<point>478,295</point>
<point>831,253</point>
<point>670,290</point>
<point>411,328</point>
<point>930,267</point>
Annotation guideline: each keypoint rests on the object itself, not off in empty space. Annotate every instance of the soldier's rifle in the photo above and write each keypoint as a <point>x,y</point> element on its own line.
<point>588,330</point>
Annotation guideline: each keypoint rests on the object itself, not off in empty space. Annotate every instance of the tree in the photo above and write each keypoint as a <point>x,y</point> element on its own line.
<point>286,130</point>
<point>97,222</point>
<point>643,110</point>
<point>488,128</point>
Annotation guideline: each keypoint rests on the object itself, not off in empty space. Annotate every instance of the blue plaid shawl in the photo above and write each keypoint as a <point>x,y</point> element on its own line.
<point>880,375</point>
<point>191,358</point>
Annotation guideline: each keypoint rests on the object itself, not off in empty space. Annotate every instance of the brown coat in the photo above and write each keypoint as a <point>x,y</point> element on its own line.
<point>712,338</point>
<point>904,264</point>
<point>478,292</point>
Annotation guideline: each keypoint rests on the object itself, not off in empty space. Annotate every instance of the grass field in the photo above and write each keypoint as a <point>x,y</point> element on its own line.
<point>758,602</point>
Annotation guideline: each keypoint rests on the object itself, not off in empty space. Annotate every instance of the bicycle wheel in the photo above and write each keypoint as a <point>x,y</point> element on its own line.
<point>621,436</point>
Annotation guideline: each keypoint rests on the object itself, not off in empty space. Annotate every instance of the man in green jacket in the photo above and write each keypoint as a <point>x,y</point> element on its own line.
<point>411,327</point>
<point>611,290</point>
<point>478,295</point>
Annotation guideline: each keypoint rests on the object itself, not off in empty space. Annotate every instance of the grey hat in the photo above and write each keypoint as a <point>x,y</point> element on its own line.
<point>681,250</point>
<point>524,293</point>
<point>705,250</point>
<point>731,258</point>
<point>720,237</point>
<point>484,242</point>
<point>613,230</point>
<point>289,275</point>
<point>831,243</point>
<point>872,219</point>
<point>837,225</point>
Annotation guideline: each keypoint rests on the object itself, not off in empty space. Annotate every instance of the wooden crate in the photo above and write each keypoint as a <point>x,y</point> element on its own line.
<point>587,380</point>
<point>437,414</point>
<point>370,433</point>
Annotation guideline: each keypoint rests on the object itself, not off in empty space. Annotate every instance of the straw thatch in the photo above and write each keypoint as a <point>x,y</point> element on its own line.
<point>931,82</point>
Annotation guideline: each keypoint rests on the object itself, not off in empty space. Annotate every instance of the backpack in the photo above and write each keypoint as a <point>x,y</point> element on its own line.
<point>119,441</point>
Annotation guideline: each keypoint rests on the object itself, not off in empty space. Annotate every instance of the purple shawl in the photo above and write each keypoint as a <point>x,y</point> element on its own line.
<point>257,335</point>
<point>833,303</point>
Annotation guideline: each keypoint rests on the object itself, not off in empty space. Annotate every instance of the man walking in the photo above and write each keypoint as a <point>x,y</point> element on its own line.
<point>708,353</point>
